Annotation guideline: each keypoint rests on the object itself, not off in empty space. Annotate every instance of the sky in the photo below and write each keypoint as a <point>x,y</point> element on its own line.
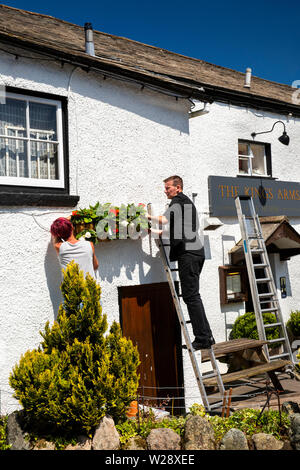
<point>263,35</point>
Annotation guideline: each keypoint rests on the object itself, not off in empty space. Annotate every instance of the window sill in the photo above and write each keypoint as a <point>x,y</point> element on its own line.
<point>265,177</point>
<point>37,199</point>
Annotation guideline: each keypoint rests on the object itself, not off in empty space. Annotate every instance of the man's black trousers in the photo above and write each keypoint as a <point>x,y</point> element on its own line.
<point>189,269</point>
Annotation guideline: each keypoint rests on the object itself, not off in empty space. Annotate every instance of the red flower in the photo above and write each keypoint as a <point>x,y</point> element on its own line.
<point>74,213</point>
<point>114,211</point>
<point>141,204</point>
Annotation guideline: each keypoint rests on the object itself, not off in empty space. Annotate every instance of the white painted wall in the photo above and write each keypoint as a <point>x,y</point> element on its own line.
<point>122,143</point>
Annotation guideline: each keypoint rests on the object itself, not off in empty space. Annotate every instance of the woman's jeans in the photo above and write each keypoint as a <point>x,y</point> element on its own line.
<point>189,269</point>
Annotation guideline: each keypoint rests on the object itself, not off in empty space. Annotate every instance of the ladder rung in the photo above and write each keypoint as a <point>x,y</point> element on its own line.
<point>263,279</point>
<point>268,301</point>
<point>263,310</point>
<point>278,340</point>
<point>270,325</point>
<point>257,266</point>
<point>257,250</point>
<point>209,375</point>
<point>272,358</point>
<point>256,237</point>
<point>266,294</point>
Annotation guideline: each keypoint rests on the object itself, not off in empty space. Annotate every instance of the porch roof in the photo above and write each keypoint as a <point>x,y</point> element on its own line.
<point>279,236</point>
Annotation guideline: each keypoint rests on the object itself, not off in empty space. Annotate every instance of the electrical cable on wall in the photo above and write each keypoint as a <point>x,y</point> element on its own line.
<point>104,73</point>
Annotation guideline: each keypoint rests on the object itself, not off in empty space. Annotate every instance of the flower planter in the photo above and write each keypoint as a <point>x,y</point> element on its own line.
<point>130,217</point>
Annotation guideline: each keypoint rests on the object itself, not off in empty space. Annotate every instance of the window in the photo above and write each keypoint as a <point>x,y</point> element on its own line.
<point>31,142</point>
<point>254,159</point>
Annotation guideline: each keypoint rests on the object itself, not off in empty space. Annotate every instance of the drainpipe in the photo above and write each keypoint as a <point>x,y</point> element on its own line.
<point>89,41</point>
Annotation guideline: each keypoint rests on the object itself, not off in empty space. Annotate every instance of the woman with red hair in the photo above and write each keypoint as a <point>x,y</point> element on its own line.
<point>69,248</point>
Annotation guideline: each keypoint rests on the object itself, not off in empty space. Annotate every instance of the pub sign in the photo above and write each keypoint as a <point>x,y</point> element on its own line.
<point>270,197</point>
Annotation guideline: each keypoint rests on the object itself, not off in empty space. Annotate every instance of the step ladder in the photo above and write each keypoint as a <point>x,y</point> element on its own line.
<point>195,356</point>
<point>263,289</point>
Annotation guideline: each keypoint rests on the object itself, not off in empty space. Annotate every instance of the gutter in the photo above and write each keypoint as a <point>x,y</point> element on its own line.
<point>176,85</point>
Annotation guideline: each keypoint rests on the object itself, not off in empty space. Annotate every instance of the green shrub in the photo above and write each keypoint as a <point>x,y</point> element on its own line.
<point>245,327</point>
<point>249,421</point>
<point>77,375</point>
<point>293,324</point>
<point>143,427</point>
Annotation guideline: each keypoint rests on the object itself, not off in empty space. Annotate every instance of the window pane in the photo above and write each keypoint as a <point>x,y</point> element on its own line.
<point>42,118</point>
<point>243,165</point>
<point>44,163</point>
<point>13,158</point>
<point>258,161</point>
<point>243,148</point>
<point>12,116</point>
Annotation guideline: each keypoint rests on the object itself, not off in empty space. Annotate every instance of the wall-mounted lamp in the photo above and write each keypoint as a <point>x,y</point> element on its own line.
<point>284,138</point>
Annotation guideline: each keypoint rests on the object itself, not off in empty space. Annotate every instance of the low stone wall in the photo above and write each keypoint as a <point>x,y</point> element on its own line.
<point>198,435</point>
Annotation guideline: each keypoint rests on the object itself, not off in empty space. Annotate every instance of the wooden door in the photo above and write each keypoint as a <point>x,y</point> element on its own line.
<point>149,318</point>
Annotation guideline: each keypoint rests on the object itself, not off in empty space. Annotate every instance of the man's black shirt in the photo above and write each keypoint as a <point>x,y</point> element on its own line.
<point>184,226</point>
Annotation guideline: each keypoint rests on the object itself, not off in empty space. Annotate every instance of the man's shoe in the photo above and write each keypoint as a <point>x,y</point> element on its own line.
<point>197,345</point>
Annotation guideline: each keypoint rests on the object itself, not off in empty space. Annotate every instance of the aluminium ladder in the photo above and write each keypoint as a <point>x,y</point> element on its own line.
<point>263,289</point>
<point>184,329</point>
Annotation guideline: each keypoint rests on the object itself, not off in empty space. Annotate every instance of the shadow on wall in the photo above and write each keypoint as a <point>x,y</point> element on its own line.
<point>54,278</point>
<point>113,258</point>
<point>127,255</point>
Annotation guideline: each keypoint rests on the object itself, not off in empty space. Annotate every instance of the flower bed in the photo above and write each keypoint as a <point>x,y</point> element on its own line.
<point>104,222</point>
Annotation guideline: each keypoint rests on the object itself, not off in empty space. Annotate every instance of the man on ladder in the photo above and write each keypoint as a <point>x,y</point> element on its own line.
<point>186,248</point>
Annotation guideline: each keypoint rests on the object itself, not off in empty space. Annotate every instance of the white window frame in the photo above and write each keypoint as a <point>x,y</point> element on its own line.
<point>38,182</point>
<point>249,158</point>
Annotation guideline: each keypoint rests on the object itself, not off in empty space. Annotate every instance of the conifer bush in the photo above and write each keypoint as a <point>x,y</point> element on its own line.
<point>79,373</point>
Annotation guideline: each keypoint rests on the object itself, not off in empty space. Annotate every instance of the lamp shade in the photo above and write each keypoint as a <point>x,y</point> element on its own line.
<point>284,139</point>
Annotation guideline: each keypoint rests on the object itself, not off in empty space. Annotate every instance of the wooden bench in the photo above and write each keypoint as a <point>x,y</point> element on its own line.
<point>248,357</point>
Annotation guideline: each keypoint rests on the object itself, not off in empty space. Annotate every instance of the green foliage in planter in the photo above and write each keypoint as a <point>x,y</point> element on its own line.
<point>77,375</point>
<point>293,324</point>
<point>3,434</point>
<point>108,221</point>
<point>245,327</point>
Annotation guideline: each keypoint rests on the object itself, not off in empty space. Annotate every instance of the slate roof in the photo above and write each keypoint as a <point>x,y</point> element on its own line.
<point>136,60</point>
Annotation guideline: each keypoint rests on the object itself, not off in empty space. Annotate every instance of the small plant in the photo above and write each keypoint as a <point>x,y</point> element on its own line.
<point>142,427</point>
<point>197,410</point>
<point>3,434</point>
<point>293,324</point>
<point>245,327</point>
<point>248,420</point>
